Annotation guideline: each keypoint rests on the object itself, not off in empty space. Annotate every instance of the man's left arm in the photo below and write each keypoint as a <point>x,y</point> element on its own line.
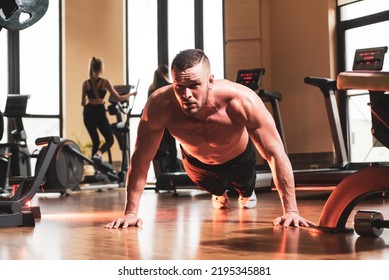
<point>263,132</point>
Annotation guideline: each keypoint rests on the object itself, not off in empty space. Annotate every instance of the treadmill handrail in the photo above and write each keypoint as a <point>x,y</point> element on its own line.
<point>268,94</point>
<point>328,88</point>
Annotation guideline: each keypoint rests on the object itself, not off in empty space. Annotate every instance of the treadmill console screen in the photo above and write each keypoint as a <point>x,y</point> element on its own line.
<point>369,59</point>
<point>250,77</point>
<point>16,105</point>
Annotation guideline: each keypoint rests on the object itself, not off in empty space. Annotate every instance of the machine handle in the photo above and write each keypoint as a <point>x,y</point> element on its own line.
<point>320,82</point>
<point>45,140</point>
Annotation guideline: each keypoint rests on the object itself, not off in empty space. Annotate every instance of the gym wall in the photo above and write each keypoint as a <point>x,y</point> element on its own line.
<point>291,40</point>
<point>302,35</point>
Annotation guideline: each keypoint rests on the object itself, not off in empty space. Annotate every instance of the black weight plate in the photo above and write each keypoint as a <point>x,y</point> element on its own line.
<point>33,9</point>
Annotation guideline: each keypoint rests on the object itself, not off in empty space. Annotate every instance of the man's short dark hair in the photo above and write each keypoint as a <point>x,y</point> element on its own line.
<point>188,58</point>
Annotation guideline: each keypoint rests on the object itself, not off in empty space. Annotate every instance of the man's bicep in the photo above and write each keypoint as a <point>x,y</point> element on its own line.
<point>264,134</point>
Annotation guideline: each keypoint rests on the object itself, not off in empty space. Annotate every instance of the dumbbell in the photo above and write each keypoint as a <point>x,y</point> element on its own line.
<point>369,223</point>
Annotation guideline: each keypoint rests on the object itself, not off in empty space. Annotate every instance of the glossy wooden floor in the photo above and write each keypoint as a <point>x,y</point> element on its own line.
<point>183,227</point>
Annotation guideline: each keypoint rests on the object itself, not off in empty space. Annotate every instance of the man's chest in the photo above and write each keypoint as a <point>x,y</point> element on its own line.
<point>217,129</point>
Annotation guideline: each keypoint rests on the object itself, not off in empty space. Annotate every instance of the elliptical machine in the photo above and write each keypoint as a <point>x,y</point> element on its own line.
<point>121,128</point>
<point>65,172</point>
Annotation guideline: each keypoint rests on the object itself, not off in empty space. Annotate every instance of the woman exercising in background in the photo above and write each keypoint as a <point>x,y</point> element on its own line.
<point>94,91</point>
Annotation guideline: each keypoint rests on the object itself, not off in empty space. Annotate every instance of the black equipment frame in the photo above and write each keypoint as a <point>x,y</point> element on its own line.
<point>14,212</point>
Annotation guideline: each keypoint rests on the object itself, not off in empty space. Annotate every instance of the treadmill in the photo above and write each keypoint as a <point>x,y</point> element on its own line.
<point>171,181</point>
<point>365,59</point>
<point>252,79</point>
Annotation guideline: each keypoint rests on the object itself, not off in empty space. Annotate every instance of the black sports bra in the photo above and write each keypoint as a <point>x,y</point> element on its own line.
<point>100,91</point>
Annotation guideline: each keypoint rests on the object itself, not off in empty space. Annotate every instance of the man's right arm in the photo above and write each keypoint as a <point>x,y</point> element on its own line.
<point>146,146</point>
<point>150,132</point>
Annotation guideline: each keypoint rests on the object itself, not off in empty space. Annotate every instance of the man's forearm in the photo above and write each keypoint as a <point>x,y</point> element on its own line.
<point>136,181</point>
<point>284,182</point>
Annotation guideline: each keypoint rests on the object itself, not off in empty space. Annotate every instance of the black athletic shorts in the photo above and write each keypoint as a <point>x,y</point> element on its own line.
<point>238,173</point>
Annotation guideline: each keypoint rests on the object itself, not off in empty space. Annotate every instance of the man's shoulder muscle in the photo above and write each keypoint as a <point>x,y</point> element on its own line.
<point>159,106</point>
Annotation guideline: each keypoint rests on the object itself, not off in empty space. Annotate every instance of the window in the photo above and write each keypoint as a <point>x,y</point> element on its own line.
<point>213,36</point>
<point>39,75</point>
<point>363,8</point>
<point>142,47</point>
<point>181,15</point>
<point>180,26</point>
<point>142,57</point>
<point>358,32</point>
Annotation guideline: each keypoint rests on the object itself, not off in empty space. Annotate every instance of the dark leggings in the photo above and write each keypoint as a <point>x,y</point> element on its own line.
<point>95,118</point>
<point>238,173</point>
<point>170,141</point>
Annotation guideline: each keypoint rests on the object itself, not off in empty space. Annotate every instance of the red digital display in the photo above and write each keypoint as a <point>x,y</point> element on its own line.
<point>250,78</point>
<point>369,59</point>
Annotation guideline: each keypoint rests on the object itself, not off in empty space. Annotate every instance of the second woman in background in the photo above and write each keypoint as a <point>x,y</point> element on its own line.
<point>161,79</point>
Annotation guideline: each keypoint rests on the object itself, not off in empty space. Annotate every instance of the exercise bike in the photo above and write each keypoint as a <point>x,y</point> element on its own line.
<point>17,185</point>
<point>15,209</point>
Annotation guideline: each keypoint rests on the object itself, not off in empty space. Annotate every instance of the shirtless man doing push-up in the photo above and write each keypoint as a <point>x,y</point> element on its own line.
<point>219,124</point>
